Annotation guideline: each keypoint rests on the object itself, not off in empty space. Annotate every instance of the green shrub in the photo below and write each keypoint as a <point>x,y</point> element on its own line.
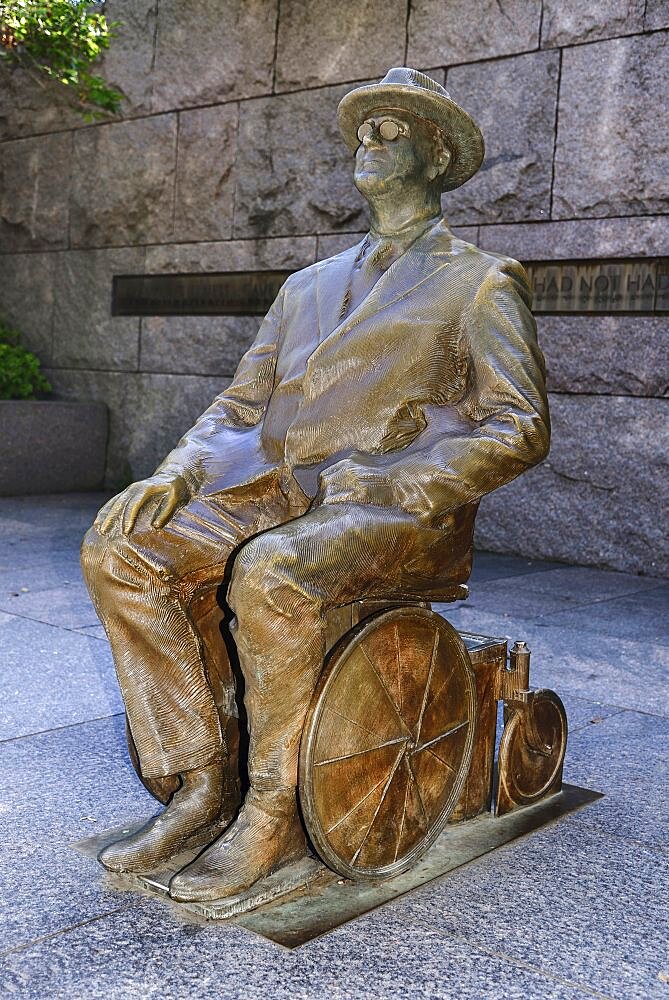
<point>62,38</point>
<point>20,377</point>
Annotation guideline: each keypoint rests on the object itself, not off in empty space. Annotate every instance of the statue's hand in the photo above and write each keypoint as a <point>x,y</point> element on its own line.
<point>123,509</point>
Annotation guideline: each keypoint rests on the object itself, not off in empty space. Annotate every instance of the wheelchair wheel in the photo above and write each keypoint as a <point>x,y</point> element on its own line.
<point>531,751</point>
<point>388,742</point>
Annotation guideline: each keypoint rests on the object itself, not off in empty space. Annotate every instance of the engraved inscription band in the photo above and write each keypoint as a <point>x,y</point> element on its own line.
<point>632,285</point>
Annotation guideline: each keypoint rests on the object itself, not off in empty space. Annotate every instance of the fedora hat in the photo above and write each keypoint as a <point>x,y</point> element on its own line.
<point>406,89</point>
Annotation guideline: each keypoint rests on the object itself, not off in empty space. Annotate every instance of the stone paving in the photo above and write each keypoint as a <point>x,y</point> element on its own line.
<point>575,910</point>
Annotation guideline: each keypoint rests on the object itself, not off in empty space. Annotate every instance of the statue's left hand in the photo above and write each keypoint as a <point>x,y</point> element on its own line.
<point>123,509</point>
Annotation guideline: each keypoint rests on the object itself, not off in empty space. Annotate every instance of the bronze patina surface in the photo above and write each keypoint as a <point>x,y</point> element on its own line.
<point>388,743</point>
<point>390,387</point>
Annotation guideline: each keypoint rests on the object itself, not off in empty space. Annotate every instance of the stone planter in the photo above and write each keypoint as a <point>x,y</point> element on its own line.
<point>51,446</point>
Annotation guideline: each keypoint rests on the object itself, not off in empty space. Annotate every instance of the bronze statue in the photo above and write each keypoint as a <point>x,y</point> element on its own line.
<point>390,387</point>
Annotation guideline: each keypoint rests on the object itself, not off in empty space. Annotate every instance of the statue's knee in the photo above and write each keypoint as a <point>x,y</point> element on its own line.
<point>90,553</point>
<point>248,573</point>
<point>261,574</point>
<point>99,553</point>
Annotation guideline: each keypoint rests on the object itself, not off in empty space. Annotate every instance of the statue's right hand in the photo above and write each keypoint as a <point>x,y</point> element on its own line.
<point>123,509</point>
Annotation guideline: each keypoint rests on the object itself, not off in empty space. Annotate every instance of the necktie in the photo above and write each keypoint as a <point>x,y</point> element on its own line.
<point>371,262</point>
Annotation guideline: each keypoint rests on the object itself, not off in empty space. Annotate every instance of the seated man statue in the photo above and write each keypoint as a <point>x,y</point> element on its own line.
<point>389,388</point>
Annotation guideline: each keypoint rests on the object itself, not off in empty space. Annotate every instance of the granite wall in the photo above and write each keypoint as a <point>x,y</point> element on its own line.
<point>227,157</point>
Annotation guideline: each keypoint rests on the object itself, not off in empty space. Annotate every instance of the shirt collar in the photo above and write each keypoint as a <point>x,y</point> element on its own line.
<point>388,248</point>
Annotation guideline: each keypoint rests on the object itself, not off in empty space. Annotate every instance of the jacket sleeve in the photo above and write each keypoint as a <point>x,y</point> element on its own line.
<point>240,407</point>
<point>501,426</point>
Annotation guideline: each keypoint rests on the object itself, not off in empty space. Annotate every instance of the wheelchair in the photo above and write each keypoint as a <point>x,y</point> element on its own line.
<point>400,736</point>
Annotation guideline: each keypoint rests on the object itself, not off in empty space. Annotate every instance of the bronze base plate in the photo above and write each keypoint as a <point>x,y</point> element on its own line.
<point>305,899</point>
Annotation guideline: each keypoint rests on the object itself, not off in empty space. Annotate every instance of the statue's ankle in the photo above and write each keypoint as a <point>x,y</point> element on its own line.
<point>210,773</point>
<point>201,790</point>
<point>278,800</point>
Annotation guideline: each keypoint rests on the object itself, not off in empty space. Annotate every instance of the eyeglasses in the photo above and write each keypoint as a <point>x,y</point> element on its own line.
<point>388,129</point>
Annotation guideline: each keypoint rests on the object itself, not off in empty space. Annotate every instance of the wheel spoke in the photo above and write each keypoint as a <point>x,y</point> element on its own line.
<point>398,663</point>
<point>445,681</point>
<point>441,760</point>
<point>376,811</point>
<point>404,813</point>
<point>359,753</point>
<point>353,808</point>
<point>417,787</point>
<point>387,692</point>
<point>370,732</point>
<point>442,736</point>
<point>433,660</point>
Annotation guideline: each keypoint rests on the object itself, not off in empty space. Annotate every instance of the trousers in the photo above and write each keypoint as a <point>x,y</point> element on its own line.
<point>286,565</point>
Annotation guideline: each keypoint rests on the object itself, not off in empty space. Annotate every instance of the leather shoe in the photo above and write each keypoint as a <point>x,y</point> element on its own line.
<point>266,836</point>
<point>195,806</point>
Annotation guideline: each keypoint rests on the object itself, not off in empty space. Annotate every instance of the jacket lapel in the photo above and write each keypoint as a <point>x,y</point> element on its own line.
<point>332,280</point>
<point>429,254</point>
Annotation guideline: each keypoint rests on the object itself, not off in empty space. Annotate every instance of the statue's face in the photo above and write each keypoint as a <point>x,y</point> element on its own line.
<point>386,164</point>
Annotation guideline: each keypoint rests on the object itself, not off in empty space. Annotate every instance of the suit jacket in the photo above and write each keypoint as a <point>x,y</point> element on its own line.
<point>428,395</point>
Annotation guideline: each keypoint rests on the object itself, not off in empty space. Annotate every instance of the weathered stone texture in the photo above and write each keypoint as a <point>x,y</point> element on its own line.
<point>599,497</point>
<point>328,246</point>
<point>207,52</point>
<point>470,234</point>
<point>54,446</point>
<point>198,345</point>
<point>232,255</point>
<point>34,189</point>
<point>616,355</point>
<point>326,42</point>
<point>119,391</point>
<point>437,73</point>
<point>167,406</point>
<point>207,141</point>
<point>32,102</point>
<point>123,188</point>
<point>294,172</point>
<point>657,14</point>
<point>127,64</point>
<point>26,298</point>
<point>566,22</point>
<point>513,101</point>
<point>461,31</point>
<point>623,237</point>
<point>85,334</point>
<point>612,155</point>
<point>148,413</point>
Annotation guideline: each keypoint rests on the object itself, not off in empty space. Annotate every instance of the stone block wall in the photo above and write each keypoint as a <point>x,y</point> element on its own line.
<point>227,157</point>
